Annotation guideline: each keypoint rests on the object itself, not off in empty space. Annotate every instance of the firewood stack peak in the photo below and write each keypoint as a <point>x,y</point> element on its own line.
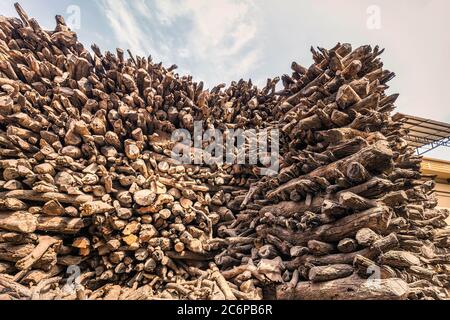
<point>93,206</point>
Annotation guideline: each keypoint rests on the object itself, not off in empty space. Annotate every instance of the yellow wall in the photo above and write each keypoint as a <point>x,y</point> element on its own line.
<point>440,169</point>
<point>443,194</point>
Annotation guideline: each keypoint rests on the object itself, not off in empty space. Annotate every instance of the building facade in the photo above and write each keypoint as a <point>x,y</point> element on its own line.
<point>440,171</point>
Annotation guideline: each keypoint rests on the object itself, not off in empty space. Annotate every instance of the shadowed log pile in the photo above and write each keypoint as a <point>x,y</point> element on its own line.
<point>348,216</point>
<point>87,177</point>
<point>92,206</point>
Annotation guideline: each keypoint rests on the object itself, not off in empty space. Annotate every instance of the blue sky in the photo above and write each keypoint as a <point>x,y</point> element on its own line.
<point>223,40</point>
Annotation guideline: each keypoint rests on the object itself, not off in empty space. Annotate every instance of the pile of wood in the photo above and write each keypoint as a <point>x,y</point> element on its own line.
<point>348,216</point>
<point>92,206</point>
<point>87,178</point>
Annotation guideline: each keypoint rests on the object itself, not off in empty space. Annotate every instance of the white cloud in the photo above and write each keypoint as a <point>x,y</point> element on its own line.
<point>123,23</point>
<point>243,34</point>
<point>167,11</point>
<point>248,62</point>
<point>125,19</point>
<point>142,7</point>
<point>184,53</point>
<point>217,39</point>
<point>218,34</point>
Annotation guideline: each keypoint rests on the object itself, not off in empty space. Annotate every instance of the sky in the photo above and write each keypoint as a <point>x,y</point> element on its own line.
<point>218,41</point>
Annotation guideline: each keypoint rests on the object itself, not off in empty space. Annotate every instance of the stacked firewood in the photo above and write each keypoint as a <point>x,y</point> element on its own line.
<point>348,216</point>
<point>94,206</point>
<point>87,177</point>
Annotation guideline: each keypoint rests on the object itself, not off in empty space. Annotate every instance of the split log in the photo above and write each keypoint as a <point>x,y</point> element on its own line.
<point>384,244</point>
<point>44,243</point>
<point>45,197</point>
<point>370,188</point>
<point>376,157</point>
<point>350,288</point>
<point>330,272</point>
<point>376,219</point>
<point>23,222</point>
<point>399,259</point>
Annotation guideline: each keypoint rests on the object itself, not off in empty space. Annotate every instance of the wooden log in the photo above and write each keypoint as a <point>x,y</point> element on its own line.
<point>367,268</point>
<point>340,135</point>
<point>44,243</point>
<point>346,97</point>
<point>399,259</point>
<point>366,237</point>
<point>373,187</point>
<point>222,284</point>
<point>47,196</point>
<point>370,102</point>
<point>347,245</point>
<point>375,157</point>
<point>355,202</point>
<point>331,272</point>
<point>350,288</point>
<point>95,207</point>
<point>13,253</point>
<point>6,268</point>
<point>376,219</point>
<point>384,244</point>
<point>23,222</point>
<point>62,225</point>
<point>319,248</point>
<point>14,286</point>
